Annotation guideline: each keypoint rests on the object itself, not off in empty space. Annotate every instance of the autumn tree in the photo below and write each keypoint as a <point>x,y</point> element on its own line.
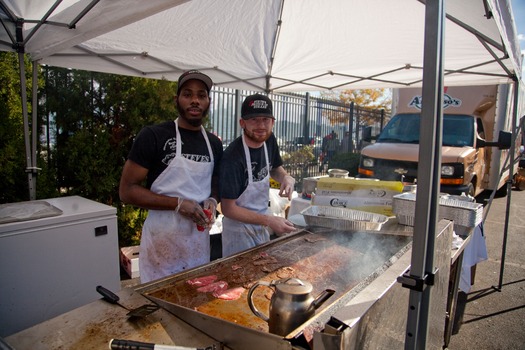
<point>366,104</point>
<point>370,98</point>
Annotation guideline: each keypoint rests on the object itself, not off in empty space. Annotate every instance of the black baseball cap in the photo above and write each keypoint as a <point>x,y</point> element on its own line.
<point>194,74</point>
<point>257,105</point>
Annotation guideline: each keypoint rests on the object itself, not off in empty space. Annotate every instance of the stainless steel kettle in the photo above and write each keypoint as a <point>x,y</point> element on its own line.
<point>291,304</point>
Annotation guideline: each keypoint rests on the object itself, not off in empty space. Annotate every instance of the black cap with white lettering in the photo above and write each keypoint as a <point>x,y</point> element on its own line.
<point>257,106</point>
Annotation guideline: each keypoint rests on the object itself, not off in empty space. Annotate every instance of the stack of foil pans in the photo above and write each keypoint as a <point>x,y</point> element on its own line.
<point>459,209</point>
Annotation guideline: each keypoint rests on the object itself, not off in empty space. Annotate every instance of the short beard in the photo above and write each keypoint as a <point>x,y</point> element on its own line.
<point>192,122</point>
<point>251,136</point>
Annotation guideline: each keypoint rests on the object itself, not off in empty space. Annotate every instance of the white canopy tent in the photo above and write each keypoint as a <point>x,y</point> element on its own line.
<point>280,45</point>
<point>287,45</point>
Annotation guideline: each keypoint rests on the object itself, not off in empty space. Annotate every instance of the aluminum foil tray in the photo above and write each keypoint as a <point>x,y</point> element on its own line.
<point>343,219</point>
<point>457,208</point>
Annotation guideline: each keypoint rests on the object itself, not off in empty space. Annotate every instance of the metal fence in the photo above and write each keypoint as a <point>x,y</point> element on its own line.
<point>301,120</point>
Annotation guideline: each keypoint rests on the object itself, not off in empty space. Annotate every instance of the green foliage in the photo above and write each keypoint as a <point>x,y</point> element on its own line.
<point>299,161</point>
<point>90,122</point>
<point>96,118</point>
<point>130,221</point>
<point>46,180</point>
<point>14,184</point>
<point>347,161</point>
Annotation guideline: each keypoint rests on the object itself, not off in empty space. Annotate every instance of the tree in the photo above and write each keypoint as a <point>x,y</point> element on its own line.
<point>369,98</point>
<point>366,102</point>
<point>14,184</point>
<point>95,117</point>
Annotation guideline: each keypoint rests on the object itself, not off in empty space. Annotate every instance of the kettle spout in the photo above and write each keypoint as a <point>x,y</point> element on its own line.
<point>321,298</point>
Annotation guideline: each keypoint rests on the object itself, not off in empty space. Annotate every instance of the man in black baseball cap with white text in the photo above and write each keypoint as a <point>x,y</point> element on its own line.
<point>247,165</point>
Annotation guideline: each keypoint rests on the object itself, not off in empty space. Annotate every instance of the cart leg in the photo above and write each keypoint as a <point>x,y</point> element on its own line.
<point>452,298</point>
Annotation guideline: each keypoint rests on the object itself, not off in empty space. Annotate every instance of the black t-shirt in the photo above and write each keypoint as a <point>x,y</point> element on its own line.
<point>155,147</point>
<point>234,173</point>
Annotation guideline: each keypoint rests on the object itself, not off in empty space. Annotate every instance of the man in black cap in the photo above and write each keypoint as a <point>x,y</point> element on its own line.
<point>179,161</point>
<point>247,165</point>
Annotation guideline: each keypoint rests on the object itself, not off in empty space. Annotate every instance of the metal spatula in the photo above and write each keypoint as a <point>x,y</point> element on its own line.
<point>141,311</point>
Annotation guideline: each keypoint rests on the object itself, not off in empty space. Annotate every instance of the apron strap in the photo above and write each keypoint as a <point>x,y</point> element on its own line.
<point>249,159</point>
<point>179,141</point>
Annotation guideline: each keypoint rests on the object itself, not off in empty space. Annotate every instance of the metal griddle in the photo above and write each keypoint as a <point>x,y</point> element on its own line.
<point>344,261</point>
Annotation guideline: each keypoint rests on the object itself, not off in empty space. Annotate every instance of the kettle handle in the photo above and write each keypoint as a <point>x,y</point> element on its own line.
<point>250,300</point>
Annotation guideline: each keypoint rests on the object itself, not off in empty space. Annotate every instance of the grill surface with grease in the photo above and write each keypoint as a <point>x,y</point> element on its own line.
<point>328,259</point>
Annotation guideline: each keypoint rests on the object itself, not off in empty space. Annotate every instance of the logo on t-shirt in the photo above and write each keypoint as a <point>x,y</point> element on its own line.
<point>170,149</point>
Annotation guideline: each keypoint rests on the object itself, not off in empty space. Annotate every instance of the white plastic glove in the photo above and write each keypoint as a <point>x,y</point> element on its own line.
<point>190,209</point>
<point>193,211</point>
<point>211,205</point>
<point>287,187</point>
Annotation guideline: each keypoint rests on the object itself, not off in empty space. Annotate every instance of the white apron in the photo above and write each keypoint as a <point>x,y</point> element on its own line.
<point>236,235</point>
<point>171,242</point>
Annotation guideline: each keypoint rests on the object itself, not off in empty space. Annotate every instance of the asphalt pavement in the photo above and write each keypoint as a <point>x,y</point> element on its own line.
<point>492,314</point>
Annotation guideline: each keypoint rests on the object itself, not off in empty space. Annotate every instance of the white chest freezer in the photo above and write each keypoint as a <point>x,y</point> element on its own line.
<point>53,264</point>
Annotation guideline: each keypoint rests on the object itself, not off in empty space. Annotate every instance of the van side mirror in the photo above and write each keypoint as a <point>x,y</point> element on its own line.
<point>504,141</point>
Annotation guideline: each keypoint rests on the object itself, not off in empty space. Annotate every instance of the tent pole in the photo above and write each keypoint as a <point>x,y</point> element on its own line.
<point>306,123</point>
<point>428,177</point>
<point>23,94</point>
<point>34,131</point>
<point>238,104</point>
<point>509,181</point>
<point>351,129</point>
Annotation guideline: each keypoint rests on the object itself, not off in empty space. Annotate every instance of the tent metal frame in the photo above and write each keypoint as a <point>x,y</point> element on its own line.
<point>419,279</point>
<point>422,269</point>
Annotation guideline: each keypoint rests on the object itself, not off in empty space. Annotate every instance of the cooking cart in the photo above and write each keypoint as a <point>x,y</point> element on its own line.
<point>368,309</point>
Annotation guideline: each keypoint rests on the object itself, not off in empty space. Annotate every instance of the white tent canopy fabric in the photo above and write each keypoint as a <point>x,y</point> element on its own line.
<point>271,45</point>
<point>49,26</point>
<point>286,45</point>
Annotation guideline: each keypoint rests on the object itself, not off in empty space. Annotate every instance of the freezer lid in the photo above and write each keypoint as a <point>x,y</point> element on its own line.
<point>72,208</point>
<point>24,211</point>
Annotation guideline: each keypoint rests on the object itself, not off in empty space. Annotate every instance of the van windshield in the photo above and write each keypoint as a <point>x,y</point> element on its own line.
<point>458,130</point>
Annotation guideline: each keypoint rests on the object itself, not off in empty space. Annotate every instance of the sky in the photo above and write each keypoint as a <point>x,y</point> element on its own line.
<point>518,8</point>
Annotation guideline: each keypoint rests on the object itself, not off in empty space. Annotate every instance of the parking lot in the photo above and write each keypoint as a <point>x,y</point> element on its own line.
<point>493,315</point>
